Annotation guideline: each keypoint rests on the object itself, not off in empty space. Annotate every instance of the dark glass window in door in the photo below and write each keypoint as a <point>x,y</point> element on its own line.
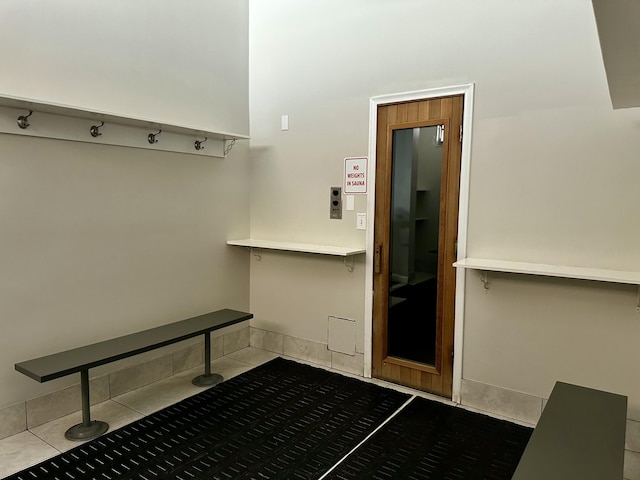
<point>414,232</point>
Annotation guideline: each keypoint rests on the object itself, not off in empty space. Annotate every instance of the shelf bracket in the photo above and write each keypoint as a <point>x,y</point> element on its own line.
<point>228,145</point>
<point>484,278</point>
<point>638,302</point>
<point>348,262</point>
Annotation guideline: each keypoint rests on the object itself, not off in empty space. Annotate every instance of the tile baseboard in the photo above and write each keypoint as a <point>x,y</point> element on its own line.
<point>502,402</point>
<point>307,351</point>
<point>13,419</point>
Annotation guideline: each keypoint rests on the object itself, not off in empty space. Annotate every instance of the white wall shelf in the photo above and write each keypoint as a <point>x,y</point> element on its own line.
<point>256,247</point>
<point>297,247</point>
<point>64,122</point>
<point>582,273</point>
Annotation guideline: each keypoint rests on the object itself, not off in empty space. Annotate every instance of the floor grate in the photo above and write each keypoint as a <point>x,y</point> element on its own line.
<point>430,440</point>
<point>282,420</point>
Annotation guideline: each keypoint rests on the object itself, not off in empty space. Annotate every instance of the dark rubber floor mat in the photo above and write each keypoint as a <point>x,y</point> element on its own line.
<point>430,440</point>
<point>282,420</point>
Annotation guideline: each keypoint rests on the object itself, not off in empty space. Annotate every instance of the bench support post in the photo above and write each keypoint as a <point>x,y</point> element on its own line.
<point>208,379</point>
<point>88,429</point>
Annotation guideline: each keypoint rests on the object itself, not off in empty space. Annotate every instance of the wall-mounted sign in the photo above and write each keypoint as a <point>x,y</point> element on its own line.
<point>355,175</point>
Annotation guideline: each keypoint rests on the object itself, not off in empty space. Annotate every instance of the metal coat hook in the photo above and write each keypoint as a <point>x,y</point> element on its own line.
<point>95,130</point>
<point>152,137</point>
<point>199,144</point>
<point>23,121</point>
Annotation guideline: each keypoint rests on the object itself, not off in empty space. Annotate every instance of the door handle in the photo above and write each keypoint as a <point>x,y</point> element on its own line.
<point>377,259</point>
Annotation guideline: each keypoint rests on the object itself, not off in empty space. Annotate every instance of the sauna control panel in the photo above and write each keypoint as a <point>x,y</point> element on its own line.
<point>335,203</point>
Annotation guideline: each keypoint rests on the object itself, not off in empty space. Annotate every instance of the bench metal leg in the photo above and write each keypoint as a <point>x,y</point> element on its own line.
<point>88,429</point>
<point>208,379</point>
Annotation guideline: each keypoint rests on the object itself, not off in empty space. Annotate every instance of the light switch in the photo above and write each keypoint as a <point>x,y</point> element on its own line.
<point>284,122</point>
<point>350,202</point>
<point>361,221</point>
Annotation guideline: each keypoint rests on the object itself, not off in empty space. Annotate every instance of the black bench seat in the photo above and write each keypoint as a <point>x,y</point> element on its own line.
<point>82,359</point>
<point>580,435</point>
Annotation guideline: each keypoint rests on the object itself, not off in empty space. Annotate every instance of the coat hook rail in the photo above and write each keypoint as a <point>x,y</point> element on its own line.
<point>71,123</point>
<point>23,120</point>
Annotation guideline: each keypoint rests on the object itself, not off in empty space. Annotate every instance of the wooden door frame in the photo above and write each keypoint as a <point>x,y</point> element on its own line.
<point>463,214</point>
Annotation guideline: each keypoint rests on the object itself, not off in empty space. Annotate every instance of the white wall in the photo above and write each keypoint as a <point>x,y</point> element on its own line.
<point>184,63</point>
<point>292,171</point>
<point>100,241</point>
<point>553,170</point>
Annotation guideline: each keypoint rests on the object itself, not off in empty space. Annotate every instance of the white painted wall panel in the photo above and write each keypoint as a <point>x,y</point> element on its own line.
<point>100,241</point>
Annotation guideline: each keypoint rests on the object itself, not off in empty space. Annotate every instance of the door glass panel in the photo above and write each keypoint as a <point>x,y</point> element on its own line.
<point>415,213</point>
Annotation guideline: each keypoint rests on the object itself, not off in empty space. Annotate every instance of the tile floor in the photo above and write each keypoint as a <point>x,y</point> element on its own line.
<point>40,443</point>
